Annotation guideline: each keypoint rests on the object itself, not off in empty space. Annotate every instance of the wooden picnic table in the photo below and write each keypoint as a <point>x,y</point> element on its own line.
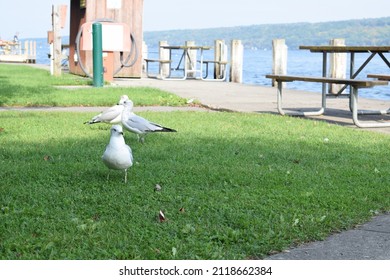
<point>352,50</point>
<point>347,49</point>
<point>381,77</point>
<point>189,62</point>
<point>354,83</point>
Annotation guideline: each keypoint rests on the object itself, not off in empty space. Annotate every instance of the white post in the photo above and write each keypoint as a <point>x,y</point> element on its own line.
<point>20,50</point>
<point>51,59</point>
<point>279,66</point>
<point>144,55</point>
<point>164,55</point>
<point>26,52</point>
<point>338,65</point>
<point>237,58</point>
<point>57,40</point>
<point>191,61</point>
<point>220,54</point>
<point>31,48</point>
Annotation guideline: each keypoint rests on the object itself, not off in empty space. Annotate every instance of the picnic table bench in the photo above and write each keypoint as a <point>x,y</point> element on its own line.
<point>222,69</point>
<point>353,96</point>
<point>161,62</point>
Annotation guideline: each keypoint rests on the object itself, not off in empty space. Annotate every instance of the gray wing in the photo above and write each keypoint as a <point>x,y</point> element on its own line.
<point>109,115</point>
<point>140,125</point>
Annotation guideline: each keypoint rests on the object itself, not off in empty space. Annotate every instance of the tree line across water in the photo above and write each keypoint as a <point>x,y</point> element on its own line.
<point>374,31</point>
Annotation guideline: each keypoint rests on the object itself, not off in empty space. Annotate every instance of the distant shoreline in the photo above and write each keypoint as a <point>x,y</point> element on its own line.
<point>368,31</point>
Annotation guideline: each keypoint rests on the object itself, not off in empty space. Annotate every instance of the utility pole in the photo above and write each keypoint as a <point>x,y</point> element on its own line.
<point>58,22</point>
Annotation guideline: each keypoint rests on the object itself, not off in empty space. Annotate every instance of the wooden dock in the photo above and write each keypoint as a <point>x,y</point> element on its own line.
<point>16,52</point>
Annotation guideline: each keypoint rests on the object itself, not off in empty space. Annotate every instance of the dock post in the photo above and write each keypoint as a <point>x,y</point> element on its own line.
<point>220,54</point>
<point>236,64</point>
<point>279,54</point>
<point>144,55</point>
<point>191,62</point>
<point>20,47</point>
<point>338,65</point>
<point>26,52</point>
<point>34,54</point>
<point>51,59</point>
<point>164,55</point>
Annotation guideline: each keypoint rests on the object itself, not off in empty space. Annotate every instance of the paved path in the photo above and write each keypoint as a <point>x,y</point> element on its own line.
<point>370,241</point>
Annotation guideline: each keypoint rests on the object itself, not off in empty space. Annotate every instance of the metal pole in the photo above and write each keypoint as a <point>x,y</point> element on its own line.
<point>324,73</point>
<point>97,53</point>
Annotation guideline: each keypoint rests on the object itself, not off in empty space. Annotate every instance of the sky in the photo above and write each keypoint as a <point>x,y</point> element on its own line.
<point>32,19</point>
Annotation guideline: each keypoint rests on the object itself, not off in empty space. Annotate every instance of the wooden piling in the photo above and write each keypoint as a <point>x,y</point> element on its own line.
<point>144,55</point>
<point>236,64</point>
<point>164,55</point>
<point>26,49</point>
<point>338,65</point>
<point>220,54</point>
<point>57,40</point>
<point>279,54</point>
<point>191,62</point>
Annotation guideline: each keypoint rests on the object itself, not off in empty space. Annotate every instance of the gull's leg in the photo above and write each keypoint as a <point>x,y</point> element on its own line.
<point>125,176</point>
<point>142,139</point>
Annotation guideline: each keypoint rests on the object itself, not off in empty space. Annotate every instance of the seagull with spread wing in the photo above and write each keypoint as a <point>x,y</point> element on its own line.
<point>111,115</point>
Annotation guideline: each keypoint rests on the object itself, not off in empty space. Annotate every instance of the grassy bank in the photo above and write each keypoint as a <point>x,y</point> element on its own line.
<point>234,186</point>
<point>22,85</point>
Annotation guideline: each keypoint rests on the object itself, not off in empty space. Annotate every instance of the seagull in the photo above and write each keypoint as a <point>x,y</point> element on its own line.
<point>118,155</point>
<point>112,115</point>
<point>139,125</point>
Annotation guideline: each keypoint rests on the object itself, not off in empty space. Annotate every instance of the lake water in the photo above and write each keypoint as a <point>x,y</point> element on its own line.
<point>258,63</point>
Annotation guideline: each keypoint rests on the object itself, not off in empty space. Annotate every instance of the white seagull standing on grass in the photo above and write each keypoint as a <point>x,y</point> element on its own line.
<point>118,155</point>
<point>139,125</point>
<point>111,115</point>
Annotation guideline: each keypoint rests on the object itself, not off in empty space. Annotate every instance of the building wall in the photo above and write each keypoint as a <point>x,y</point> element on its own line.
<point>123,11</point>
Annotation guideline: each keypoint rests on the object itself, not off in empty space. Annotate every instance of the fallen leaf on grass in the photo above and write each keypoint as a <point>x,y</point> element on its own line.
<point>174,251</point>
<point>161,217</point>
<point>47,158</point>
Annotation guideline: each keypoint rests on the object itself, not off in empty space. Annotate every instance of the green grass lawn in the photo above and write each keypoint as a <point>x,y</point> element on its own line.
<point>22,85</point>
<point>234,186</point>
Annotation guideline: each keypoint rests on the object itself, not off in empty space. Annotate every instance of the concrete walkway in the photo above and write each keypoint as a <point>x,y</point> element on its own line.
<point>370,241</point>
